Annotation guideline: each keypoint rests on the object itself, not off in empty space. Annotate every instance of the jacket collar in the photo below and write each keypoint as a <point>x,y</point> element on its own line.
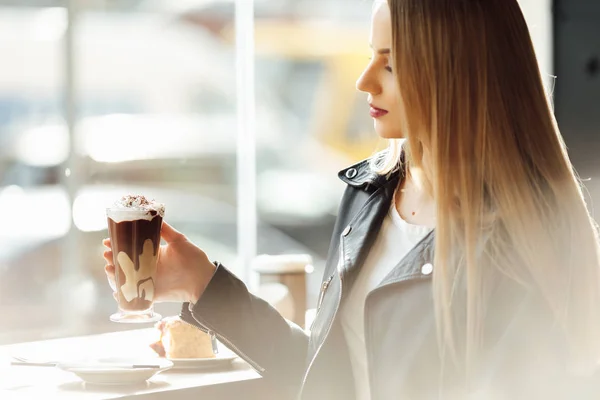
<point>362,176</point>
<point>358,237</point>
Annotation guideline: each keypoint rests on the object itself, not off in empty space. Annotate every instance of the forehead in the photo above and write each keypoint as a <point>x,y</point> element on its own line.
<point>381,26</point>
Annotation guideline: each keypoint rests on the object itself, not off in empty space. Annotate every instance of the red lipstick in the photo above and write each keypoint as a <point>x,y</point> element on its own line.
<point>377,112</point>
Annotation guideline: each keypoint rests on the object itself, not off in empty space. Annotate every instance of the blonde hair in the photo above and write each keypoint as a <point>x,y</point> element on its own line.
<point>508,201</point>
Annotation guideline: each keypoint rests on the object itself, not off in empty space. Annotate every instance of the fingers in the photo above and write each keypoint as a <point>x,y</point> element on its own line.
<point>110,275</point>
<point>170,234</point>
<point>109,269</point>
<point>108,257</point>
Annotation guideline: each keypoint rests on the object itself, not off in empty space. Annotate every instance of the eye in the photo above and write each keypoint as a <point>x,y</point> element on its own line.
<point>388,68</point>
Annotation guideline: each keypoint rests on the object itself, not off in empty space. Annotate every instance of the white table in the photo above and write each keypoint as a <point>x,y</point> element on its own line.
<point>27,382</point>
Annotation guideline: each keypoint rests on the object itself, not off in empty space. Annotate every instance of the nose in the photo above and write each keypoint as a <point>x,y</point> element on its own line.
<point>368,81</point>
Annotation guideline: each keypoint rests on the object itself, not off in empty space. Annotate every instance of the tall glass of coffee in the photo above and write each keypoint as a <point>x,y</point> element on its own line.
<point>134,225</point>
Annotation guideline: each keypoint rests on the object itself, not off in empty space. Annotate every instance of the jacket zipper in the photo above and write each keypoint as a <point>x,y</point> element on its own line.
<point>324,287</point>
<point>213,334</point>
<point>324,339</point>
<point>337,306</point>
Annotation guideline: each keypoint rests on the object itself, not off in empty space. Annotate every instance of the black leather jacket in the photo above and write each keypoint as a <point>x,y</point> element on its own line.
<point>523,357</point>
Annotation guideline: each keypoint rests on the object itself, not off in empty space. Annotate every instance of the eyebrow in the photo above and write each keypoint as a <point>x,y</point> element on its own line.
<point>380,51</point>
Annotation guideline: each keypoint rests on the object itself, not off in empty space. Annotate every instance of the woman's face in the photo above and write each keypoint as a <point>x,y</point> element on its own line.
<point>378,81</point>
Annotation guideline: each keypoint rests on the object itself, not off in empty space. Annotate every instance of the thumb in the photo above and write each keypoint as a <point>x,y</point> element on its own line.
<point>170,234</point>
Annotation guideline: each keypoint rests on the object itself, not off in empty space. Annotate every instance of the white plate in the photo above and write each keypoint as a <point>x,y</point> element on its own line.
<point>116,371</point>
<point>220,361</point>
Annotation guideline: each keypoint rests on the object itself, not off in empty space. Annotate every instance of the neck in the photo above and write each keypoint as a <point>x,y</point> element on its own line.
<point>413,202</point>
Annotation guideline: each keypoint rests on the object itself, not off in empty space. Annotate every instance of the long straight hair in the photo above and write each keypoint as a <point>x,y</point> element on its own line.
<point>481,128</point>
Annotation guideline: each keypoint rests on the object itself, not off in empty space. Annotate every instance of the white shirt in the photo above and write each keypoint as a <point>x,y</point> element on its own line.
<point>394,240</point>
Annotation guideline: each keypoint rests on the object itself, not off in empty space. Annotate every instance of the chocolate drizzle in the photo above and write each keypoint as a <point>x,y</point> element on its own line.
<point>142,294</point>
<point>128,237</point>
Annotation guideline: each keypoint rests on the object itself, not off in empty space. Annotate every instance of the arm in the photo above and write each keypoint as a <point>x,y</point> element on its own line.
<point>223,306</point>
<point>275,347</point>
<point>248,325</point>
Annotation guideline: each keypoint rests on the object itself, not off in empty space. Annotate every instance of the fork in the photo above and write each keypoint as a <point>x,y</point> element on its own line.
<point>34,363</point>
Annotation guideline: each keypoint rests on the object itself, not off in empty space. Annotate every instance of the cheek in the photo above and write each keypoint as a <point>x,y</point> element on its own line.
<point>395,97</point>
<point>392,96</point>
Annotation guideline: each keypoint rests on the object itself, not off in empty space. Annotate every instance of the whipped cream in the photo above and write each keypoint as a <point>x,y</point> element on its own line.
<point>134,207</point>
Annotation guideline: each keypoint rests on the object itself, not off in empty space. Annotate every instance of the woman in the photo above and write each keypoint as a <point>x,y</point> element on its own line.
<point>463,264</point>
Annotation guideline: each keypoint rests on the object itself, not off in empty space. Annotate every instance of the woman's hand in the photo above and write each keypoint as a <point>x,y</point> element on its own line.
<point>183,270</point>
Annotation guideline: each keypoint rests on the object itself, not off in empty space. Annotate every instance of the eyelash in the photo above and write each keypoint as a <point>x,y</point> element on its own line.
<point>387,68</point>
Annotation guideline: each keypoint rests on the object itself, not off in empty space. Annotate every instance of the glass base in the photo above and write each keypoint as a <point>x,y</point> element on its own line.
<point>135,318</point>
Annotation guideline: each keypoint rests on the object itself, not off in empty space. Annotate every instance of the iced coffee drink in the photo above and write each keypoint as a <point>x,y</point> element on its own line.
<point>134,224</point>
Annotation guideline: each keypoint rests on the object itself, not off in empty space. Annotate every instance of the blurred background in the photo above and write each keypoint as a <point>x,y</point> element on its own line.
<point>100,98</point>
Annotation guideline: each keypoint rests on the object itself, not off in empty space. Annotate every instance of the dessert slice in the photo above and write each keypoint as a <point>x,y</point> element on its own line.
<point>179,339</point>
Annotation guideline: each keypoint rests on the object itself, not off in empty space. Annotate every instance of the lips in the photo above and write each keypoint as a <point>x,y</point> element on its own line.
<point>377,112</point>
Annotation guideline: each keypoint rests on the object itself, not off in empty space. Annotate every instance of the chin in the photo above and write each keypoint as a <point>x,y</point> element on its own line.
<point>388,132</point>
